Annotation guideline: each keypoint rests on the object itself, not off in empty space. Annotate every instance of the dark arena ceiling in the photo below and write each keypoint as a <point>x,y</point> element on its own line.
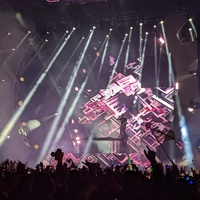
<point>105,13</point>
<point>25,55</point>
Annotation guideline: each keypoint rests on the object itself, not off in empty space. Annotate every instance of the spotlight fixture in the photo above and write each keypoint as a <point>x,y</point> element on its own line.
<point>126,34</point>
<point>190,19</point>
<point>29,32</point>
<point>154,26</point>
<point>146,33</point>
<point>141,24</point>
<point>47,32</point>
<point>107,36</point>
<point>9,33</point>
<point>74,28</point>
<point>110,29</point>
<point>46,40</point>
<point>83,38</point>
<point>94,27</point>
<point>131,27</point>
<point>161,22</point>
<point>67,31</point>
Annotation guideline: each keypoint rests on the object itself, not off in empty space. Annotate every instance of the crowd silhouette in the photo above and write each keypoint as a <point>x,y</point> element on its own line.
<point>67,181</point>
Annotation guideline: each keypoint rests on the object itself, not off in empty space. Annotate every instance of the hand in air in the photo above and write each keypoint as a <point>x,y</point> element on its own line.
<point>150,155</point>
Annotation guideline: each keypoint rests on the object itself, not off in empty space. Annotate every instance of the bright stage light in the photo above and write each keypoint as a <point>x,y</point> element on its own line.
<point>84,71</point>
<point>190,19</point>
<point>83,38</point>
<point>46,40</point>
<point>94,27</point>
<point>21,79</point>
<point>162,41</point>
<point>74,28</point>
<point>177,86</point>
<point>75,130</point>
<point>47,33</point>
<point>54,126</point>
<point>11,123</point>
<point>161,22</point>
<point>146,33</point>
<point>67,31</point>
<point>13,49</point>
<point>128,50</point>
<point>126,34</point>
<point>29,32</point>
<point>107,36</point>
<point>186,140</point>
<point>116,62</point>
<point>36,146</point>
<point>9,33</point>
<point>141,24</point>
<point>77,138</point>
<point>190,109</point>
<point>190,29</point>
<point>8,136</point>
<point>110,29</point>
<point>154,26</point>
<point>76,89</point>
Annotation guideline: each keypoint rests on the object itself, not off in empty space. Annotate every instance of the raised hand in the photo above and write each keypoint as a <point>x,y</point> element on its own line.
<point>150,155</point>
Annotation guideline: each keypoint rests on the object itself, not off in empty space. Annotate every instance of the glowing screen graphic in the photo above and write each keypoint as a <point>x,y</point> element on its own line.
<point>140,106</point>
<point>102,142</point>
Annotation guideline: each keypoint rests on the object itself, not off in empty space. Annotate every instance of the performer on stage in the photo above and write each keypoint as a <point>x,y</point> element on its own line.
<point>123,134</point>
